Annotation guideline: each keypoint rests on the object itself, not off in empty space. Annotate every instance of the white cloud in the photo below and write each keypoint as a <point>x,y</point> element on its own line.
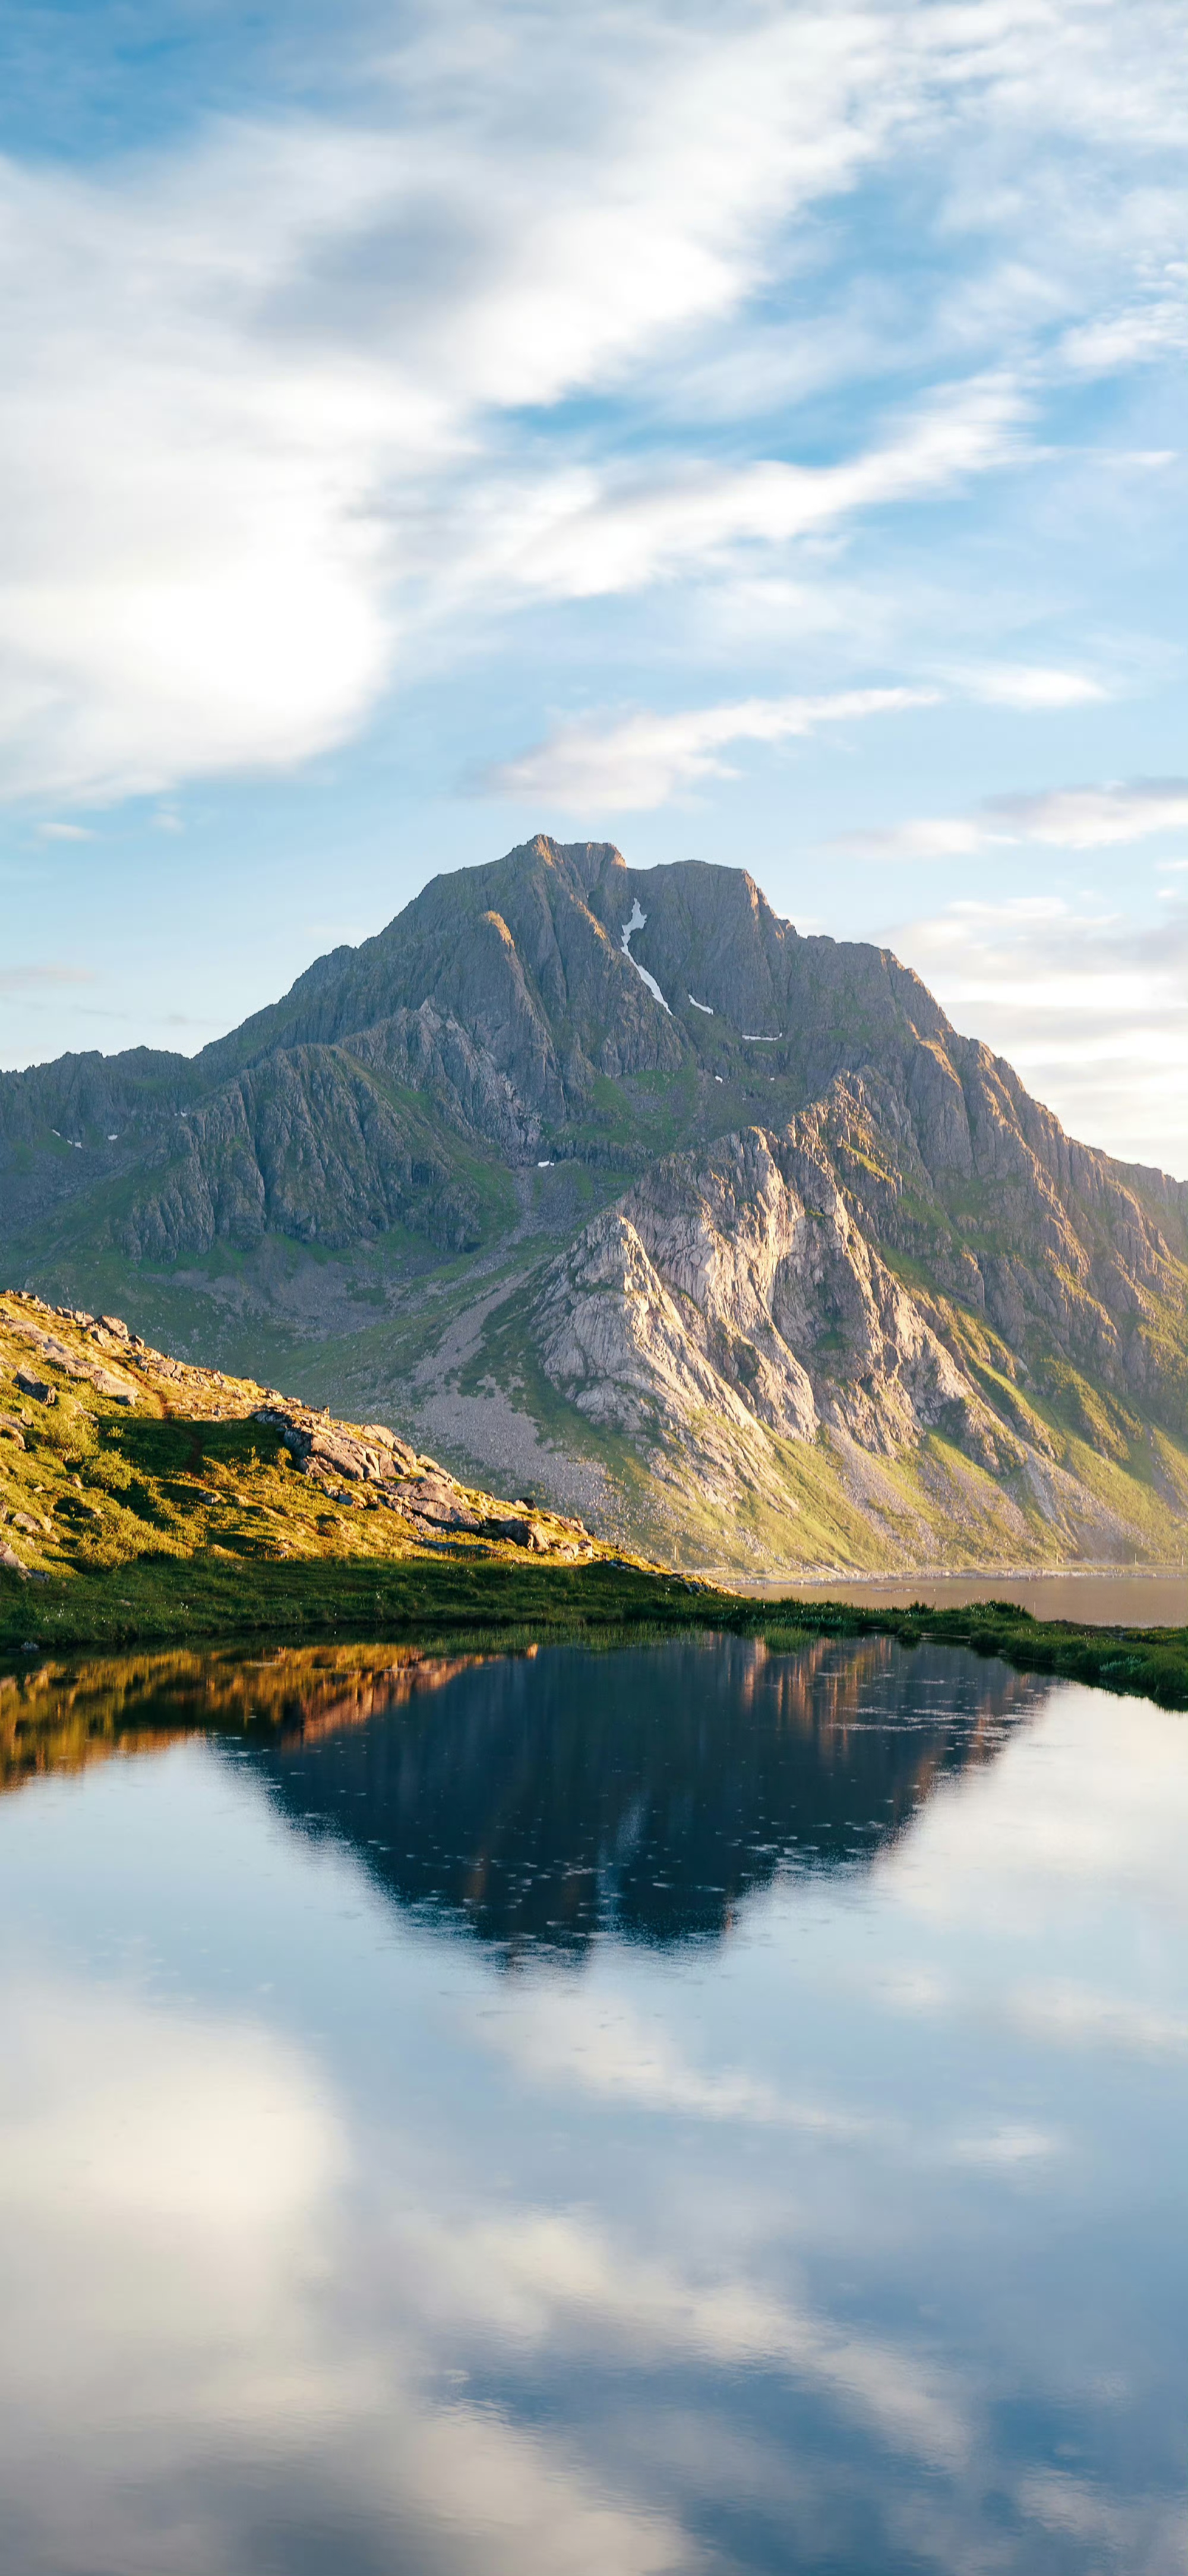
<point>179,2122</point>
<point>1082,2017</point>
<point>241,382</point>
<point>1013,2143</point>
<point>173,2235</point>
<point>1076,2509</point>
<point>562,2039</point>
<point>264,403</point>
<point>206,2267</point>
<point>1070,818</point>
<point>1029,688</point>
<point>1088,1009</point>
<point>1092,818</point>
<point>646,758</point>
<point>1113,342</point>
<point>928,836</point>
<point>580,537</point>
<point>533,2275</point>
<point>1054,1874</point>
<point>257,2279</point>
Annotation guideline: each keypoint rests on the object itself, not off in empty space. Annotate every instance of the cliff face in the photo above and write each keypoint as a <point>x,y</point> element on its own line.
<point>757,1289</point>
<point>619,1179</point>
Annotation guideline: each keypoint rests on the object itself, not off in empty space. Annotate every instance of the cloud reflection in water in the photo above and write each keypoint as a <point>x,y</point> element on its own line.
<point>789,2231</point>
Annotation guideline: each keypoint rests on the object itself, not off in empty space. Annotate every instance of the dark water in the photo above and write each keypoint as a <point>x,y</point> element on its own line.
<point>683,2110</point>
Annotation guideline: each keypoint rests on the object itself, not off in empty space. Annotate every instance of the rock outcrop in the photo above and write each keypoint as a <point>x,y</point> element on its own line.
<point>119,1511</point>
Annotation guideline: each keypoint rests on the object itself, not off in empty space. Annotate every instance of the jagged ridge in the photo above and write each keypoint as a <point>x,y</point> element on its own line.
<point>796,1227</point>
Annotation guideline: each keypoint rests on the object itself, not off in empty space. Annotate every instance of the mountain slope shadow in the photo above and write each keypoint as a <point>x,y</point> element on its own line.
<point>540,1802</point>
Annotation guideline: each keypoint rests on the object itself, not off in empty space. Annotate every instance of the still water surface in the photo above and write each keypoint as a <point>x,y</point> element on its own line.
<point>1097,1600</point>
<point>671,2113</point>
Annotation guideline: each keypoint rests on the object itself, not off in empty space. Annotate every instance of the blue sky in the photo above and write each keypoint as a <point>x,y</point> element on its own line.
<point>743,433</point>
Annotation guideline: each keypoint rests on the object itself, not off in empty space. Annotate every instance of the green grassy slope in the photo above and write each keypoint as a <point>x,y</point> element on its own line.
<point>144,1504</point>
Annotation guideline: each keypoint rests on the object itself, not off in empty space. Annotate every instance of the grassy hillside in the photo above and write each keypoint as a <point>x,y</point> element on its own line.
<point>146,1504</point>
<point>121,1467</point>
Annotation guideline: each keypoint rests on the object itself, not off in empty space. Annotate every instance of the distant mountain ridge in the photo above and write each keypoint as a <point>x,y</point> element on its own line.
<point>627,1187</point>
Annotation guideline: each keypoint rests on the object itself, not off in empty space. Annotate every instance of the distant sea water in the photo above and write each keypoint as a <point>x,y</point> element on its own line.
<point>1122,1600</point>
<point>685,2111</point>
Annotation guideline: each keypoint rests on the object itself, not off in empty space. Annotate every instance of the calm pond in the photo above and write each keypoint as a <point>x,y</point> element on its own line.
<point>665,2113</point>
<point>1099,1600</point>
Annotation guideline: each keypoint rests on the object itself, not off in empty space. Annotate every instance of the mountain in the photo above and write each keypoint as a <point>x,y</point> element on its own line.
<point>622,1192</point>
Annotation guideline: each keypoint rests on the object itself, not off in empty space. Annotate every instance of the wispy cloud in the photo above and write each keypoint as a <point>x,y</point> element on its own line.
<point>1071,818</point>
<point>559,2041</point>
<point>1082,2017</point>
<point>1088,1008</point>
<point>26,979</point>
<point>584,535</point>
<point>645,758</point>
<point>305,347</point>
<point>642,760</point>
<point>212,2177</point>
<point>290,421</point>
<point>1147,329</point>
<point>1027,688</point>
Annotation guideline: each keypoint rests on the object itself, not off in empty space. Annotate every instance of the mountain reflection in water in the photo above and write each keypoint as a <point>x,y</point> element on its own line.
<point>541,1801</point>
<point>544,1799</point>
<point>852,2243</point>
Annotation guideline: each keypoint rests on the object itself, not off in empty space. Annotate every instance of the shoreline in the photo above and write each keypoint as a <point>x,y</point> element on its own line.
<point>1150,1595</point>
<point>1078,1570</point>
<point>484,1606</point>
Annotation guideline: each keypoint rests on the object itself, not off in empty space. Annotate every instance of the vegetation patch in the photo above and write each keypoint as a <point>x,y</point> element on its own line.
<point>472,1607</point>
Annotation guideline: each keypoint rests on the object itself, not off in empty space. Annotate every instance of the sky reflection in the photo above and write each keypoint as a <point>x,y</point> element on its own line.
<point>848,2235</point>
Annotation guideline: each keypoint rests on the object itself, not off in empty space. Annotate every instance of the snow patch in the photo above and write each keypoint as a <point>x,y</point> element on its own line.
<point>755,1037</point>
<point>636,922</point>
<point>707,1007</point>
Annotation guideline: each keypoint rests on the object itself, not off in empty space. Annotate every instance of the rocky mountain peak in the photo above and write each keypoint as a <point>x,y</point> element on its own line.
<point>817,1268</point>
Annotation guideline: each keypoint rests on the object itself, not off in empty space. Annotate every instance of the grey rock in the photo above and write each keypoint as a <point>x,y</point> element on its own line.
<point>35,1387</point>
<point>440,1504</point>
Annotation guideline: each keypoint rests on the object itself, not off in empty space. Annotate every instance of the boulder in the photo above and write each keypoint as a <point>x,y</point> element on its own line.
<point>35,1387</point>
<point>323,1448</point>
<point>433,1499</point>
<point>399,1450</point>
<point>521,1533</point>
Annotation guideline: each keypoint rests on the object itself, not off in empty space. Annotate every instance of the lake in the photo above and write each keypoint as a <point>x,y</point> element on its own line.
<point>1097,1600</point>
<point>686,2111</point>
